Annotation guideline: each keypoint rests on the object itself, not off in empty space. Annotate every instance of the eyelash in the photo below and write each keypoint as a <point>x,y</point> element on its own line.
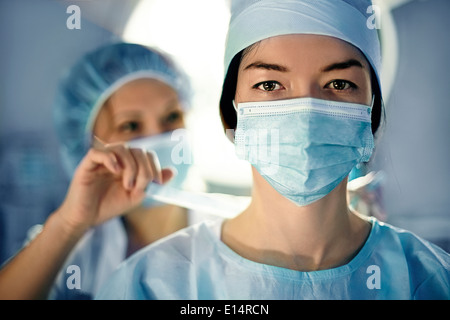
<point>256,86</point>
<point>170,118</point>
<point>350,84</point>
<point>130,126</point>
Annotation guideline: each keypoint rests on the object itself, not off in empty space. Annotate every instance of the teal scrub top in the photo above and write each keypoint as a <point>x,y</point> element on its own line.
<point>194,263</point>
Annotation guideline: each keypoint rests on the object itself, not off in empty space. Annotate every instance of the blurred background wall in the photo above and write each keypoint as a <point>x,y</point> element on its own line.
<point>36,47</point>
<point>414,149</point>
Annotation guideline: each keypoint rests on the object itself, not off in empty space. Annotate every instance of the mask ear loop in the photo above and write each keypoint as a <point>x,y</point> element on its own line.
<point>358,166</point>
<point>235,106</point>
<point>373,101</point>
<point>230,132</point>
<point>97,143</point>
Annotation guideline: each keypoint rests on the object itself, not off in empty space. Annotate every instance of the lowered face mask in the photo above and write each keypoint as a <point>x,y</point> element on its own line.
<point>173,150</point>
<point>304,147</point>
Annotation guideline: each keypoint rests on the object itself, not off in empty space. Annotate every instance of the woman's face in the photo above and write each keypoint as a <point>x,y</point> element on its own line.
<point>295,66</point>
<point>143,107</point>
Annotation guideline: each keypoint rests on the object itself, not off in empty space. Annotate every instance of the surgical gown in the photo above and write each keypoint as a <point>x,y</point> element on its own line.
<point>194,263</point>
<point>95,257</point>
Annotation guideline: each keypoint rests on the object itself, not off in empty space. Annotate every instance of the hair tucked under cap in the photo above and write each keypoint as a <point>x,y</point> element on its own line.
<point>255,20</point>
<point>94,78</point>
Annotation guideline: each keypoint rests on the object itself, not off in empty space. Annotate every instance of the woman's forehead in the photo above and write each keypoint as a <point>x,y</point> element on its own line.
<point>302,48</point>
<point>142,91</point>
<point>141,95</point>
<point>144,87</point>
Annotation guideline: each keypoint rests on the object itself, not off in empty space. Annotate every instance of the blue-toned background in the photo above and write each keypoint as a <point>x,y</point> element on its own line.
<point>36,47</point>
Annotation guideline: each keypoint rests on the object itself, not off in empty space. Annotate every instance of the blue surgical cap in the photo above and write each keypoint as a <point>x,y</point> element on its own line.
<point>93,79</point>
<point>254,20</point>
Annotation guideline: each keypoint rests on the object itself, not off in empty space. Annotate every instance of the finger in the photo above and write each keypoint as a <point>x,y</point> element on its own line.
<point>98,143</point>
<point>144,171</point>
<point>155,165</point>
<point>168,174</point>
<point>94,158</point>
<point>128,163</point>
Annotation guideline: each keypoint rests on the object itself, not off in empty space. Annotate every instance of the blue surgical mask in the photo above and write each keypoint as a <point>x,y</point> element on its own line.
<point>304,147</point>
<point>173,150</point>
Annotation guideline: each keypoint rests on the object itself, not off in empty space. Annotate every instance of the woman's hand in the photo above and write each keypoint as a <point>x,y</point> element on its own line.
<point>108,182</point>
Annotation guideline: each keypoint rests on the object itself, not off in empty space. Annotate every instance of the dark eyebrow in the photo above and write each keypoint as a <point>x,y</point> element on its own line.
<point>343,65</point>
<point>266,66</point>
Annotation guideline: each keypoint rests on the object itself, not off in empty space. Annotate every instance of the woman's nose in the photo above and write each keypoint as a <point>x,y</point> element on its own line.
<point>306,89</point>
<point>153,127</point>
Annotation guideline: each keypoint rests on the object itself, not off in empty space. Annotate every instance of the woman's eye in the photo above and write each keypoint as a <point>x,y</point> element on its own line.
<point>341,85</point>
<point>131,126</point>
<point>173,117</point>
<point>268,86</point>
